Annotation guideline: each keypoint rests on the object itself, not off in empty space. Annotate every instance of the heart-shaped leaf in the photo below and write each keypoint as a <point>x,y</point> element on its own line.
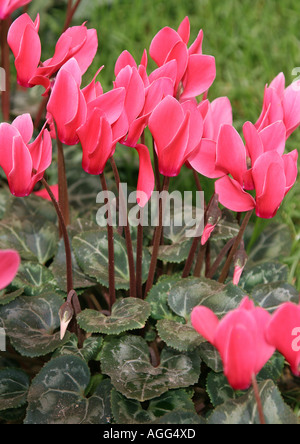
<point>127,314</point>
<point>32,324</point>
<point>14,384</point>
<point>244,409</point>
<point>271,296</point>
<point>127,361</point>
<point>130,411</point>
<point>182,337</point>
<point>91,251</point>
<point>57,395</point>
<point>264,273</point>
<point>88,352</point>
<point>34,278</point>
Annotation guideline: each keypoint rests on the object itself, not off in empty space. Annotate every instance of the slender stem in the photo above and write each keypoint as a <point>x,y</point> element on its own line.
<point>218,260</point>
<point>111,252</point>
<point>157,240</point>
<point>199,261</point>
<point>197,181</point>
<point>128,239</point>
<point>190,259</point>
<point>258,400</point>
<point>72,295</point>
<point>156,168</point>
<point>5,63</point>
<point>65,236</point>
<point>62,181</point>
<point>235,247</point>
<point>70,13</point>
<point>207,258</point>
<point>139,256</point>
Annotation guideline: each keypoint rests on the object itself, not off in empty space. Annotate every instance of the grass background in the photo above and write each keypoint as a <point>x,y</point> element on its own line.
<point>252,41</point>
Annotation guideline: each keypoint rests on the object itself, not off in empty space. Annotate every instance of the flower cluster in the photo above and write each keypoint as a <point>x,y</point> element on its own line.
<point>247,337</point>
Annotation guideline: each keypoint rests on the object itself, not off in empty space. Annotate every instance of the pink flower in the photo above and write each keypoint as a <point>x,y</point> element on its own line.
<point>195,72</point>
<point>281,103</point>
<point>25,44</point>
<point>239,338</point>
<point>177,131</point>
<point>215,114</point>
<point>76,42</point>
<point>67,104</point>
<point>24,163</point>
<point>9,264</point>
<point>283,332</point>
<point>271,174</point>
<point>7,7</point>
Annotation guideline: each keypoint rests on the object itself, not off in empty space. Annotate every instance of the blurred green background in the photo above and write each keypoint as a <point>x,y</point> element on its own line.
<point>252,40</point>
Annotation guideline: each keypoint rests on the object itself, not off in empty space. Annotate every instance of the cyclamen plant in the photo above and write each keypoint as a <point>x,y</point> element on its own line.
<point>163,314</point>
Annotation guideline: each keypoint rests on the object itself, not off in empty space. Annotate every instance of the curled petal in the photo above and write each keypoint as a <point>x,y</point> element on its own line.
<point>232,196</point>
<point>9,265</point>
<point>199,76</point>
<point>205,322</point>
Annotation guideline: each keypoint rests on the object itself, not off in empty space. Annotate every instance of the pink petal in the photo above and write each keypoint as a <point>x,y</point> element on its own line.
<point>232,196</point>
<point>168,70</point>
<point>196,47</point>
<point>124,59</point>
<point>290,169</point>
<point>165,121</point>
<point>239,360</point>
<point>204,160</point>
<point>209,228</point>
<point>278,84</point>
<point>86,54</point>
<point>205,322</point>
<point>162,44</point>
<point>24,125</point>
<point>237,274</point>
<point>180,54</point>
<point>9,265</point>
<point>19,179</point>
<point>146,181</point>
<point>264,351</point>
<point>281,331</point>
<point>184,30</point>
<point>200,75</point>
<point>254,143</point>
<point>291,106</point>
<point>44,193</point>
<point>111,103</point>
<point>221,114</point>
<point>28,57</point>
<point>231,153</point>
<point>270,182</point>
<point>273,137</point>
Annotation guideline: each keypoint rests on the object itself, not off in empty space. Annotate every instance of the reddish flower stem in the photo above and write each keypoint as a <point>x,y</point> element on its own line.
<point>235,247</point>
<point>218,260</point>
<point>70,13</point>
<point>122,204</point>
<point>139,256</point>
<point>156,168</point>
<point>258,400</point>
<point>72,295</point>
<point>5,95</point>
<point>157,240</point>
<point>111,253</point>
<point>62,181</point>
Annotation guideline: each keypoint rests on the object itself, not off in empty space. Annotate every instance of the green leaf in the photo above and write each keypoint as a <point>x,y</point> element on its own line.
<point>91,251</point>
<point>190,292</point>
<point>219,389</point>
<point>7,296</point>
<point>175,253</point>
<point>32,208</point>
<point>274,243</point>
<point>271,296</point>
<point>264,273</point>
<point>127,314</point>
<point>129,411</point>
<point>158,298</point>
<point>180,417</point>
<point>244,409</point>
<point>210,355</point>
<point>32,324</point>
<point>226,229</point>
<point>89,351</point>
<point>34,240</point>
<point>126,361</point>
<point>34,278</point>
<point>182,337</point>
<point>272,369</point>
<point>14,384</point>
<point>57,395</point>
